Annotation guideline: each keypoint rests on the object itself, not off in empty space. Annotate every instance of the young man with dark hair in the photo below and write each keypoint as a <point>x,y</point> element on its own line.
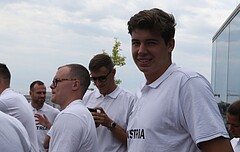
<point>176,110</point>
<point>44,113</point>
<point>233,122</point>
<point>113,105</point>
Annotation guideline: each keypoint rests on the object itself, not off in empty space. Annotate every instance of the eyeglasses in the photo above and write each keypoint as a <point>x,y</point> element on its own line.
<point>57,80</point>
<point>101,78</point>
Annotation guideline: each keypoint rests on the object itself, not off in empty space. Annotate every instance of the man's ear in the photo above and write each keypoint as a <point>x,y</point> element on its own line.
<point>114,71</point>
<point>76,85</point>
<point>171,45</point>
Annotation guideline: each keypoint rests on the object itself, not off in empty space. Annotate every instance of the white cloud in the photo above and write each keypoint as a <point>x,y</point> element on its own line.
<point>36,36</point>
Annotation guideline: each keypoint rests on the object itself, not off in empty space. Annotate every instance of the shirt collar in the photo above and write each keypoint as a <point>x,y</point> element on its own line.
<point>113,94</point>
<point>5,91</point>
<point>44,108</point>
<point>77,101</point>
<point>163,77</point>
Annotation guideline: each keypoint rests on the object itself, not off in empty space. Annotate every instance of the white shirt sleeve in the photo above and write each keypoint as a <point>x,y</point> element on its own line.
<point>66,133</point>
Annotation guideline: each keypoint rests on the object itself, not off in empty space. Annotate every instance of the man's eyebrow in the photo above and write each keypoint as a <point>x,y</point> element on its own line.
<point>152,40</point>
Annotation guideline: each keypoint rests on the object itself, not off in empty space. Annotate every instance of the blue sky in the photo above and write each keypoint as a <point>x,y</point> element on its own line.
<point>38,36</point>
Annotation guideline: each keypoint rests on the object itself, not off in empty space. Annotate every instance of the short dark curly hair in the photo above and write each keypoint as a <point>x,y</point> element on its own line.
<point>155,20</point>
<point>234,109</point>
<point>5,73</point>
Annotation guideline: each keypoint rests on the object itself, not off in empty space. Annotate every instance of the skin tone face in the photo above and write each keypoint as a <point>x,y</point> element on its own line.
<point>233,125</point>
<point>151,54</point>
<point>1,85</point>
<point>108,85</point>
<point>38,95</point>
<point>62,91</point>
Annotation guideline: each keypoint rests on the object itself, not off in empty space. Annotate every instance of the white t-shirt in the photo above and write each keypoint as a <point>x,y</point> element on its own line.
<point>118,106</point>
<point>236,144</point>
<point>51,113</point>
<point>174,114</point>
<point>73,130</point>
<point>16,105</point>
<point>13,136</point>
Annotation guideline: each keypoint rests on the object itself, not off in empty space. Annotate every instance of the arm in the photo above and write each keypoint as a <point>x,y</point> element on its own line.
<point>103,119</point>
<point>209,120</point>
<point>219,144</point>
<point>46,142</point>
<point>120,134</point>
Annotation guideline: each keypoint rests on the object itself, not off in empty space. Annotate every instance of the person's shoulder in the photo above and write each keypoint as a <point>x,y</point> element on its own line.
<point>90,94</point>
<point>189,73</point>
<point>49,111</point>
<point>76,109</point>
<point>49,107</point>
<point>125,95</point>
<point>125,92</point>
<point>10,95</point>
<point>75,105</point>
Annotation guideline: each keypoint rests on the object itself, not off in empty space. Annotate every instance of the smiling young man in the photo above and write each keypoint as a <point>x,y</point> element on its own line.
<point>176,110</point>
<point>233,121</point>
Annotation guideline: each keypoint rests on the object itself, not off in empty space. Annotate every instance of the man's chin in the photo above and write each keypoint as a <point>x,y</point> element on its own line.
<point>236,136</point>
<point>142,69</point>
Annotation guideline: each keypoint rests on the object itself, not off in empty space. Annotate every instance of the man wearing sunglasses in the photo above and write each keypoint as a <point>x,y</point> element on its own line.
<point>233,122</point>
<point>73,129</point>
<point>111,103</point>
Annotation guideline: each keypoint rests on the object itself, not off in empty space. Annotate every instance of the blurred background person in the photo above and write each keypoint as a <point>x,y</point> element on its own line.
<point>233,122</point>
<point>44,114</point>
<point>13,135</point>
<point>16,105</point>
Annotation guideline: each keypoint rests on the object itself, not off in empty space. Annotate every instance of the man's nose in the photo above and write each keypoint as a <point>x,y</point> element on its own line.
<point>142,48</point>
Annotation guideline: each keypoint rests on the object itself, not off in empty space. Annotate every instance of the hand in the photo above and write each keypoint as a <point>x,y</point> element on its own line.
<point>42,120</point>
<point>100,117</point>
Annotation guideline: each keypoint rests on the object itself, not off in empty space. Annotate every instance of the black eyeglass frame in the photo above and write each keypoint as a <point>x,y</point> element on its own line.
<point>57,80</point>
<point>101,78</point>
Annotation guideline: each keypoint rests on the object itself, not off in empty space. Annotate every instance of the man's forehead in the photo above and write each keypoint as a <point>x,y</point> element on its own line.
<point>64,71</point>
<point>39,86</point>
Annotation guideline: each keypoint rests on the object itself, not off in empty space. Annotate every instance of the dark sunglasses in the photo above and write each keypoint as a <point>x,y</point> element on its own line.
<point>101,78</point>
<point>57,80</point>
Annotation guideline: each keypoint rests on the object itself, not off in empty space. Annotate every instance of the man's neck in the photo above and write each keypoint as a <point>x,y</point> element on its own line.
<point>36,106</point>
<point>110,90</point>
<point>3,88</point>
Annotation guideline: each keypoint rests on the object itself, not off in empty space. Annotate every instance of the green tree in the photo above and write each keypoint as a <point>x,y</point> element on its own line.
<point>118,60</point>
